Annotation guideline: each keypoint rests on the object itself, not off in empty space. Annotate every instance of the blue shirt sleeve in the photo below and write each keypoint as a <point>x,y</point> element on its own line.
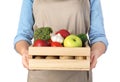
<point>25,27</point>
<point>96,32</point>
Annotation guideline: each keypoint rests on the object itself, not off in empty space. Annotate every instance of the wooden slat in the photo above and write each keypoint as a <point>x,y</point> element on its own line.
<point>62,51</point>
<point>56,64</point>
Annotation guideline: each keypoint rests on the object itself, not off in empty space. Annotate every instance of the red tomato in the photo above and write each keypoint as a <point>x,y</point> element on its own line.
<point>56,44</point>
<point>64,33</point>
<point>49,42</point>
<point>40,43</point>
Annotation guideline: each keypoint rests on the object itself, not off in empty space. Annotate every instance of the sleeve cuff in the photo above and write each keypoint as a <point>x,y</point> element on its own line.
<point>100,39</point>
<point>19,38</point>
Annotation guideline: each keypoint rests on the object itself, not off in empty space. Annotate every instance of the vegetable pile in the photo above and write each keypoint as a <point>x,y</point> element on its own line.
<point>61,38</point>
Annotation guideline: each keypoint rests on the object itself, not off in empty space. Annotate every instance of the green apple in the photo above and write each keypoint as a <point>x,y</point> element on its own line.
<point>72,41</point>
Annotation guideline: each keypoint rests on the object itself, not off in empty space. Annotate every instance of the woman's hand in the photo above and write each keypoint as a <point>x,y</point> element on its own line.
<point>97,50</point>
<point>22,49</point>
<point>93,59</point>
<point>25,59</point>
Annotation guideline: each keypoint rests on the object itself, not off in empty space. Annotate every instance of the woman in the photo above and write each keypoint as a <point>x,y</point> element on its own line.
<point>77,16</point>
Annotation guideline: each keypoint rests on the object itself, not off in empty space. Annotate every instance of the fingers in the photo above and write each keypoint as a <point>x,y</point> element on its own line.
<point>25,61</point>
<point>93,60</point>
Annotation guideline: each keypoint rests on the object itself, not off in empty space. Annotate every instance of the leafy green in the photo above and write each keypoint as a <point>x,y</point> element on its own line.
<point>42,33</point>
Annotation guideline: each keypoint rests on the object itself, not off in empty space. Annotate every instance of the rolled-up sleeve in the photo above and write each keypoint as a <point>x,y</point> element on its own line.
<point>25,30</point>
<point>97,31</point>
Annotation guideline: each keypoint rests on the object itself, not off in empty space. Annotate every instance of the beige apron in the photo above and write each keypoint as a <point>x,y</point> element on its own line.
<point>68,14</point>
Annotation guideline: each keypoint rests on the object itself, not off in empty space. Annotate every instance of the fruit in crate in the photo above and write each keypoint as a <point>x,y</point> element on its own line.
<point>72,41</point>
<point>64,33</point>
<point>38,43</point>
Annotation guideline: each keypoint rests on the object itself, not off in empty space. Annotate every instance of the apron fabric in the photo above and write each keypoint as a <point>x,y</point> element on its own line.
<point>59,76</point>
<point>73,15</point>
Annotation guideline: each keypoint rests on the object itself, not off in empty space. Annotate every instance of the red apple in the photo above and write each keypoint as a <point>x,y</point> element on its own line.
<point>64,33</point>
<point>39,42</point>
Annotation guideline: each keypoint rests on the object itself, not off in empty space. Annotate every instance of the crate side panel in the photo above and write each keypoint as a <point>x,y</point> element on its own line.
<point>59,64</point>
<point>62,51</point>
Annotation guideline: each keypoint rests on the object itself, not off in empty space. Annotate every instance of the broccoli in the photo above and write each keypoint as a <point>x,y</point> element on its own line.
<point>42,33</point>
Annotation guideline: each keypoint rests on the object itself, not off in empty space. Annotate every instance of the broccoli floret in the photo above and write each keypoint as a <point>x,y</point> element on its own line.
<point>42,33</point>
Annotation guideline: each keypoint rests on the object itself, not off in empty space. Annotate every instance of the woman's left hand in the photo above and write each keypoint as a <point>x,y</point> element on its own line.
<point>93,59</point>
<point>97,50</point>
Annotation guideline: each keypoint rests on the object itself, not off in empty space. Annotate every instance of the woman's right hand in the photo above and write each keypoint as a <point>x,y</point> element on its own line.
<point>25,59</point>
<point>22,49</point>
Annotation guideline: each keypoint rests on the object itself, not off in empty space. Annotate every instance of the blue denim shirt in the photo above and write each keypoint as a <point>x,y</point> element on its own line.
<point>96,33</point>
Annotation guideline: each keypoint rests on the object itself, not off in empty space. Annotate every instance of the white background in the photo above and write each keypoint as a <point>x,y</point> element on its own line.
<point>11,69</point>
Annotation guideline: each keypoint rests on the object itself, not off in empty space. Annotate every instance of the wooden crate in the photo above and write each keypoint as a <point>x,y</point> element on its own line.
<point>59,58</point>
